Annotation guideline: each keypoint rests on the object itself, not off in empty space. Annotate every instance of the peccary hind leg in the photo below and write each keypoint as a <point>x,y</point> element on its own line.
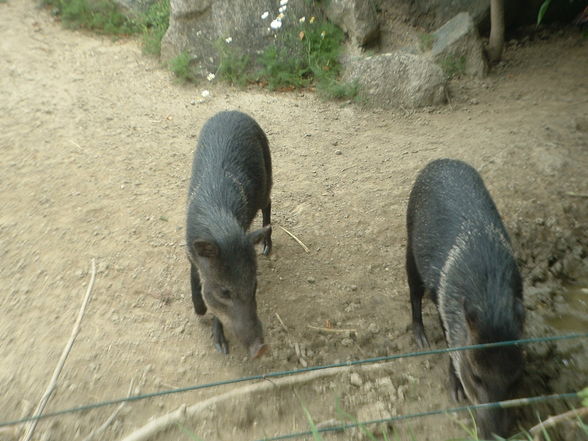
<point>267,241</point>
<point>455,386</point>
<point>417,290</point>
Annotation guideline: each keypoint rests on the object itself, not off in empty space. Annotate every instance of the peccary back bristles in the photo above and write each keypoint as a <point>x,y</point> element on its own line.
<point>231,176</point>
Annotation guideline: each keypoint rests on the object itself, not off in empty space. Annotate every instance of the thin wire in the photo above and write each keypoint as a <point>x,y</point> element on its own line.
<point>499,404</point>
<point>291,372</point>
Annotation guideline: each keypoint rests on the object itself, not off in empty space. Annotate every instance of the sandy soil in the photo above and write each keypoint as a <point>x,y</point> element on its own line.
<point>96,143</point>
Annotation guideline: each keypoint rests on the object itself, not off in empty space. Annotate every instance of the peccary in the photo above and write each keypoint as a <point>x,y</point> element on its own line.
<point>231,181</point>
<point>459,251</point>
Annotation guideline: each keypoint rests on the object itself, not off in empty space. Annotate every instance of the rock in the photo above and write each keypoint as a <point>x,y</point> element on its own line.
<point>373,328</point>
<point>434,13</point>
<point>397,79</point>
<point>204,28</point>
<point>458,44</point>
<point>346,342</point>
<point>358,18</point>
<point>355,379</point>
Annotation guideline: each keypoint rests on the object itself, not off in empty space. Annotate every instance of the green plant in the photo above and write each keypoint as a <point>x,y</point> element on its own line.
<point>304,55</point>
<point>542,11</point>
<point>180,66</point>
<point>154,24</point>
<point>99,16</point>
<point>426,41</point>
<point>453,66</point>
<point>233,68</point>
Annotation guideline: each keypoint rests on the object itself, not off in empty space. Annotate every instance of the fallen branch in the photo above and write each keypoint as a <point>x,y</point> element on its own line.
<point>110,419</point>
<point>164,422</point>
<point>295,238</point>
<point>51,387</point>
<point>537,431</point>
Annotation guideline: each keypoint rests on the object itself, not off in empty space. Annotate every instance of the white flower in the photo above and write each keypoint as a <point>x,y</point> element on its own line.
<point>210,76</point>
<point>282,8</point>
<point>280,16</point>
<point>229,39</point>
<point>323,34</point>
<point>283,2</point>
<point>264,15</point>
<point>302,19</point>
<point>205,94</point>
<point>276,24</point>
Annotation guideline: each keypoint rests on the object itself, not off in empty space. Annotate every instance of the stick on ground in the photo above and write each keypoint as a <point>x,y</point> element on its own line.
<point>51,387</point>
<point>161,423</point>
<point>110,419</point>
<point>552,421</point>
<point>295,238</point>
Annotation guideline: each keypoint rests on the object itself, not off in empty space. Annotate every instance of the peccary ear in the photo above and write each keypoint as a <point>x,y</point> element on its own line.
<point>205,248</point>
<point>256,236</point>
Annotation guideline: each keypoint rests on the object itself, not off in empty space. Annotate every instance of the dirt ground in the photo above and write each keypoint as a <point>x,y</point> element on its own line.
<point>96,143</point>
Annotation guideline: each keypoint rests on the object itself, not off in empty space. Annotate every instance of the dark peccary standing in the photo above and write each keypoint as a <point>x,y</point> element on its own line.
<point>459,251</point>
<point>231,181</point>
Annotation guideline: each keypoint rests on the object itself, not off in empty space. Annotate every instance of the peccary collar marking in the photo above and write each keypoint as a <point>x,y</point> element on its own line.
<point>454,256</point>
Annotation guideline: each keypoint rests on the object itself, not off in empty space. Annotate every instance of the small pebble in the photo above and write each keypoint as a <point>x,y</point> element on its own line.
<point>346,342</point>
<point>355,379</point>
<point>311,280</point>
<point>373,328</point>
<point>338,152</point>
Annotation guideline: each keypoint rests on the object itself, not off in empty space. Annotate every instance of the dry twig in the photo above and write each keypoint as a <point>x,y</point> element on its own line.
<point>295,238</point>
<point>281,322</point>
<point>163,422</point>
<point>577,195</point>
<point>537,431</point>
<point>110,419</point>
<point>51,387</point>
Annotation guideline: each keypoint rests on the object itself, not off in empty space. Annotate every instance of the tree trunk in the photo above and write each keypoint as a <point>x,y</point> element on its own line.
<point>496,41</point>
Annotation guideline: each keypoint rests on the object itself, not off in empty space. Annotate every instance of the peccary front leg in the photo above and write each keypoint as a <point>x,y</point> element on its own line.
<point>199,305</point>
<point>267,241</point>
<point>218,336</point>
<point>417,291</point>
<point>455,386</point>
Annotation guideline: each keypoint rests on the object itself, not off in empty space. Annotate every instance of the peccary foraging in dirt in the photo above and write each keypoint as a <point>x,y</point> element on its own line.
<point>231,181</point>
<point>459,251</point>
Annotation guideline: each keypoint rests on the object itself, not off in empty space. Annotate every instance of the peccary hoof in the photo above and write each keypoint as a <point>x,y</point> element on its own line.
<point>420,336</point>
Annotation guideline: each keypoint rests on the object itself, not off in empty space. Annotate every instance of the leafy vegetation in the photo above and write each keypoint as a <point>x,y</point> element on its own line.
<point>453,66</point>
<point>180,66</point>
<point>99,16</point>
<point>154,24</point>
<point>104,16</point>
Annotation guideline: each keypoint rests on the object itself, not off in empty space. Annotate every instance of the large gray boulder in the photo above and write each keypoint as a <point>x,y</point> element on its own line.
<point>397,80</point>
<point>199,27</point>
<point>434,13</point>
<point>358,18</point>
<point>458,41</point>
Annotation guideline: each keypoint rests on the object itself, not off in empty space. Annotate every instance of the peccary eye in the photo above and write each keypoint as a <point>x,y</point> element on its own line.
<point>225,293</point>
